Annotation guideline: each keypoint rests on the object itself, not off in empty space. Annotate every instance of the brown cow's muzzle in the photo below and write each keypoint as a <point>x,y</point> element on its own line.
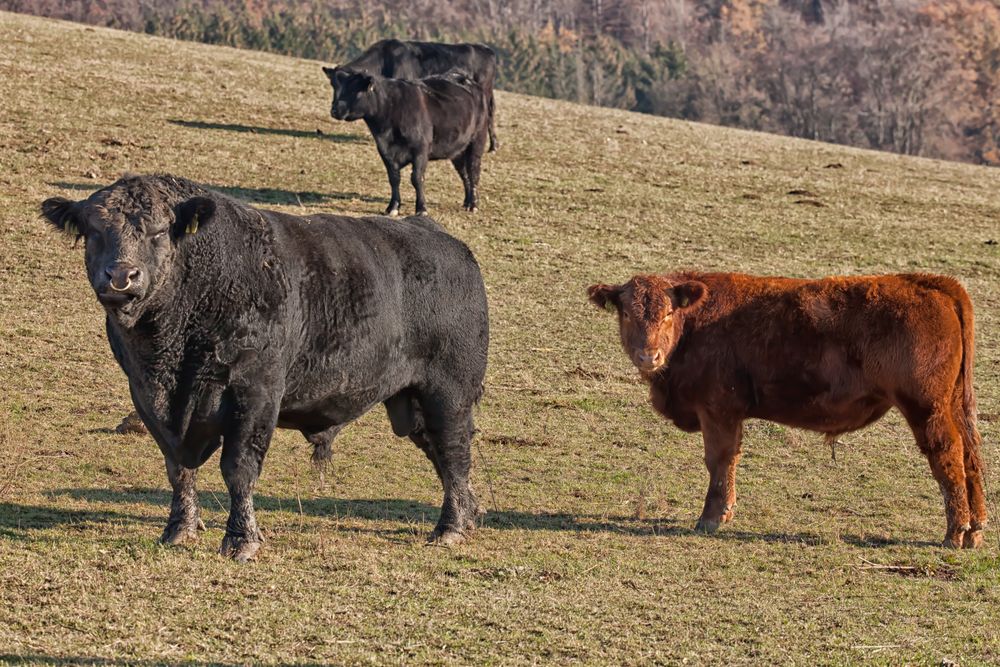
<point>648,360</point>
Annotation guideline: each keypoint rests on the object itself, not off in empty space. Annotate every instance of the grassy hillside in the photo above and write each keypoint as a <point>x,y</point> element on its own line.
<point>588,552</point>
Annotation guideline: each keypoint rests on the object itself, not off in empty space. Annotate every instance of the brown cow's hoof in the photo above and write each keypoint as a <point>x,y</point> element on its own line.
<point>707,526</point>
<point>131,424</point>
<point>240,549</point>
<point>182,534</point>
<point>973,539</point>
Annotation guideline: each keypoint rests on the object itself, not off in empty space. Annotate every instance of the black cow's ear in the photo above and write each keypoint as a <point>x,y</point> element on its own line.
<point>369,82</point>
<point>331,73</point>
<point>192,215</point>
<point>605,296</point>
<point>63,215</point>
<point>688,295</point>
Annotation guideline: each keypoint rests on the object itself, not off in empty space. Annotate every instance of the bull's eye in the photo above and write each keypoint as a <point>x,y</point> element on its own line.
<point>159,236</point>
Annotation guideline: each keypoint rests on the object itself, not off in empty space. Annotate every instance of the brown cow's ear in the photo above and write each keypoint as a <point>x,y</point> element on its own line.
<point>192,215</point>
<point>63,215</point>
<point>605,296</point>
<point>688,295</point>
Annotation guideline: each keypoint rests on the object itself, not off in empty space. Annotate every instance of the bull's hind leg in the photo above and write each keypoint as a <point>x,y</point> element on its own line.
<point>473,167</point>
<point>722,452</point>
<point>417,179</point>
<point>392,171</point>
<point>938,437</point>
<point>185,520</point>
<point>448,439</point>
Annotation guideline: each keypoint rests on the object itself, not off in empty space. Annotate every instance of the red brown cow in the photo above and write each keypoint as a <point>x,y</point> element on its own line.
<point>830,355</point>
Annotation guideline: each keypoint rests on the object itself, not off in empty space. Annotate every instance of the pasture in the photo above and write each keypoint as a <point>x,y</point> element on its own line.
<point>588,553</point>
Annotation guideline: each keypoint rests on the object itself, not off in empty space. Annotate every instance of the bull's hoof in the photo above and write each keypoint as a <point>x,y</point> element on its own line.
<point>131,424</point>
<point>393,212</point>
<point>472,209</point>
<point>446,537</point>
<point>973,539</point>
<point>422,211</point>
<point>240,549</point>
<point>182,533</point>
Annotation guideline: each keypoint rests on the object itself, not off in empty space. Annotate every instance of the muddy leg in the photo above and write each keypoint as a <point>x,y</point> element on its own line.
<point>722,453</point>
<point>939,440</point>
<point>243,451</point>
<point>185,521</point>
<point>453,460</point>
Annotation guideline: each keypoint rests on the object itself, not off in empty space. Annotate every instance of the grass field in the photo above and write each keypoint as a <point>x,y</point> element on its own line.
<point>588,553</point>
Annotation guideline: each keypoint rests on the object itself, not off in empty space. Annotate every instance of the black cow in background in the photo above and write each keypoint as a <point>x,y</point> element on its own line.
<point>396,59</point>
<point>230,321</point>
<point>413,122</point>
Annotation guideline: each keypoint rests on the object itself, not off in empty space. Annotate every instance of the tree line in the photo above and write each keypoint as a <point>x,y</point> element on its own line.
<point>920,77</point>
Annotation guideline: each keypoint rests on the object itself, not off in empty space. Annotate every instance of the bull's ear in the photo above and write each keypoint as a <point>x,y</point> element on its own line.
<point>331,73</point>
<point>191,215</point>
<point>63,215</point>
<point>688,295</point>
<point>605,296</point>
<point>369,82</point>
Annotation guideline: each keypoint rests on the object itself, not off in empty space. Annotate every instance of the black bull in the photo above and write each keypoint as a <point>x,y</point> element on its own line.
<point>230,321</point>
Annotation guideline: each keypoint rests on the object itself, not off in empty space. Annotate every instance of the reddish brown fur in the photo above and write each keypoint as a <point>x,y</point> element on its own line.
<point>830,355</point>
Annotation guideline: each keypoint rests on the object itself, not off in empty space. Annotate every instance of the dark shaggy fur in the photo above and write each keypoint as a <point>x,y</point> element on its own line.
<point>395,59</point>
<point>437,118</point>
<point>230,321</point>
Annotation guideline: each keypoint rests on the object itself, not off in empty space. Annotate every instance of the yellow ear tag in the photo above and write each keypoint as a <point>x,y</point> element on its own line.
<point>192,227</point>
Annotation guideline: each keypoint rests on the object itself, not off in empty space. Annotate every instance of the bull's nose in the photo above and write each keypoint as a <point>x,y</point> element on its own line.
<point>123,276</point>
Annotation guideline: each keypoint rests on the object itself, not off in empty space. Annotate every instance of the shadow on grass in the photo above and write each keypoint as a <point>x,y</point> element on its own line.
<point>254,129</point>
<point>34,517</point>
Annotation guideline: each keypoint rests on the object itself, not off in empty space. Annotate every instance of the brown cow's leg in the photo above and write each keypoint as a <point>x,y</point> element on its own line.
<point>939,439</point>
<point>973,463</point>
<point>722,453</point>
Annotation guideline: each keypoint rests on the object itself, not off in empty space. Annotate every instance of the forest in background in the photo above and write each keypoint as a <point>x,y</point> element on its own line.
<point>919,77</point>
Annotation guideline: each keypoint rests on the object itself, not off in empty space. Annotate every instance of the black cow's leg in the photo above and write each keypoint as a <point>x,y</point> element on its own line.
<point>185,521</point>
<point>722,452</point>
<point>394,200</point>
<point>452,454</point>
<point>494,142</point>
<point>243,451</point>
<point>463,173</point>
<point>417,178</point>
<point>473,166</point>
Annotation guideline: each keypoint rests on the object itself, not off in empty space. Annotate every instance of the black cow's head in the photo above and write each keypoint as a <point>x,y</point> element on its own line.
<point>132,233</point>
<point>353,93</point>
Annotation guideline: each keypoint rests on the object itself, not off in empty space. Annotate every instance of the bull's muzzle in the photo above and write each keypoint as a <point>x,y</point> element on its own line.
<point>124,284</point>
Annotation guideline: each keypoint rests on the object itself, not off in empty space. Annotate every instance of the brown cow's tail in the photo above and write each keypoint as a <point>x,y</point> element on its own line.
<point>967,319</point>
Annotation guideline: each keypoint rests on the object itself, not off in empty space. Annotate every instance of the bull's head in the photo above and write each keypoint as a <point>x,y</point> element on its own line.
<point>131,237</point>
<point>353,97</point>
<point>651,314</point>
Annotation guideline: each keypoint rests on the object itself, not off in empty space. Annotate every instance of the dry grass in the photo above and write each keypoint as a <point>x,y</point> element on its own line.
<point>589,555</point>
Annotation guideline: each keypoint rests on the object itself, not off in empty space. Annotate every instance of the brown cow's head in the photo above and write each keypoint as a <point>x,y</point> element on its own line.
<point>352,93</point>
<point>651,313</point>
<point>131,230</point>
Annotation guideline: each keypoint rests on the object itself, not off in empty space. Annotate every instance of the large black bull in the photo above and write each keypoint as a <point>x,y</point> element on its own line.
<point>230,321</point>
<point>396,59</point>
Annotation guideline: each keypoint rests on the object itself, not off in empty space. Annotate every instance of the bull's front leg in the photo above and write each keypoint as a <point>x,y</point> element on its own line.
<point>723,440</point>
<point>243,449</point>
<point>185,520</point>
